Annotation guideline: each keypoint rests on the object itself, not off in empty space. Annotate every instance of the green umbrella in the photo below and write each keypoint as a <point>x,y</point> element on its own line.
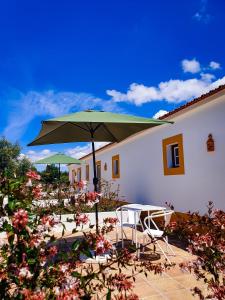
<point>59,159</point>
<point>94,126</point>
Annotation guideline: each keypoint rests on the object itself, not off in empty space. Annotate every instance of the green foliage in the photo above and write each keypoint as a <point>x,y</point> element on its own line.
<point>11,164</point>
<point>23,166</point>
<point>35,265</point>
<point>50,175</point>
<point>9,154</point>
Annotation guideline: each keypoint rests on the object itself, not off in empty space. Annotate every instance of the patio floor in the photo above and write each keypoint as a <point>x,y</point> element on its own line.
<point>174,284</point>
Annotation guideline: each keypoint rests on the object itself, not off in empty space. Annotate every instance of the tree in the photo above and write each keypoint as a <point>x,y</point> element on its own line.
<point>51,174</point>
<point>24,165</point>
<point>9,154</point>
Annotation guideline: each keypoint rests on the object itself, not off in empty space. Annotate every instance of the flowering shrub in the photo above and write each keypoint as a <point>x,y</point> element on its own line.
<point>35,265</point>
<point>205,236</point>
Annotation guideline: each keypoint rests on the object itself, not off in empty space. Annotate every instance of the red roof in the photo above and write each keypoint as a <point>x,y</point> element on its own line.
<point>194,101</point>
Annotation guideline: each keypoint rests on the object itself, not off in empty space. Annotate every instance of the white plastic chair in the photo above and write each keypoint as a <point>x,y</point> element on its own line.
<point>130,219</point>
<point>154,233</point>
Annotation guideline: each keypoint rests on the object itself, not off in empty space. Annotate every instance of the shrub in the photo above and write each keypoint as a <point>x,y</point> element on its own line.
<point>205,236</point>
<point>34,265</point>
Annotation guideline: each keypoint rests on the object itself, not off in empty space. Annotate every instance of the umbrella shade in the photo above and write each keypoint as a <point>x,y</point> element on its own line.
<point>94,126</point>
<point>87,125</point>
<point>59,158</point>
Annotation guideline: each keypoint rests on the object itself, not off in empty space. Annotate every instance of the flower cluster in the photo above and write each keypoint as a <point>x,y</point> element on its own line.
<point>37,191</point>
<point>33,175</point>
<point>20,219</point>
<point>36,266</point>
<point>111,221</point>
<point>121,282</point>
<point>81,219</point>
<point>205,236</point>
<point>102,245</point>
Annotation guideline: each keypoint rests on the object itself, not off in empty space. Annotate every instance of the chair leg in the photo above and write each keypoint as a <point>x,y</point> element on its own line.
<point>168,246</point>
<point>163,252</point>
<point>117,237</point>
<point>132,235</point>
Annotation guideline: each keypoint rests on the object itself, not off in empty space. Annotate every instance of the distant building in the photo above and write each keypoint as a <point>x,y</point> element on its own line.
<point>183,163</point>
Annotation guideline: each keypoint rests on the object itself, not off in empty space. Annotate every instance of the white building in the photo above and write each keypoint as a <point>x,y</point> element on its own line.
<point>181,163</point>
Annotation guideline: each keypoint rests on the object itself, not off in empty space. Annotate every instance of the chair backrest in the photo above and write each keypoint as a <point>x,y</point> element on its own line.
<point>151,220</point>
<point>130,217</point>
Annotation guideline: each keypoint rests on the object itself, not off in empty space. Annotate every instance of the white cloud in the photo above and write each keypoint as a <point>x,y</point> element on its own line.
<point>79,151</point>
<point>207,76</point>
<point>202,15</point>
<point>172,91</point>
<point>214,65</point>
<point>160,113</point>
<point>36,155</point>
<point>49,104</point>
<point>191,66</point>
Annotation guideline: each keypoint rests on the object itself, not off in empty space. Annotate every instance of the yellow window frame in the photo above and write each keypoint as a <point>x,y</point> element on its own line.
<point>79,171</point>
<point>176,139</point>
<point>114,158</point>
<point>87,172</point>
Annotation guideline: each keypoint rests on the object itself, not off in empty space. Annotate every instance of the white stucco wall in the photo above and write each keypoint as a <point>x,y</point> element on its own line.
<point>142,178</point>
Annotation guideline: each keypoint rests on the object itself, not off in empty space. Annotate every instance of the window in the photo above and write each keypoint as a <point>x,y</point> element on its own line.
<point>98,173</point>
<point>116,166</point>
<point>173,155</point>
<point>79,174</point>
<point>87,172</point>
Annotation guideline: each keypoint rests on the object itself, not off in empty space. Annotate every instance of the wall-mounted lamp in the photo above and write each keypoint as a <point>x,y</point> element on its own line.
<point>210,143</point>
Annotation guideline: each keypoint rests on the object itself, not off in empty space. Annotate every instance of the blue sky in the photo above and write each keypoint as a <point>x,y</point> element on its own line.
<point>138,57</point>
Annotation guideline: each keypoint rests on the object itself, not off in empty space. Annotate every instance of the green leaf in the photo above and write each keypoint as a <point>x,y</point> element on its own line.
<point>31,261</point>
<point>87,252</point>
<point>108,296</point>
<point>75,245</point>
<point>11,237</point>
<point>76,274</point>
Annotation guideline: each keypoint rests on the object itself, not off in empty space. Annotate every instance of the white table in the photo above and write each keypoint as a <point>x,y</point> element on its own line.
<point>137,208</point>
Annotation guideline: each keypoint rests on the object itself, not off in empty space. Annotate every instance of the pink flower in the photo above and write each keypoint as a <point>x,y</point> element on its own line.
<point>126,297</point>
<point>121,282</point>
<point>102,245</point>
<point>20,219</point>
<point>37,191</point>
<point>35,241</point>
<point>80,184</point>
<point>33,295</point>
<point>81,219</point>
<point>25,273</point>
<point>52,251</point>
<point>91,196</point>
<point>110,220</point>
<point>48,221</point>
<point>33,175</point>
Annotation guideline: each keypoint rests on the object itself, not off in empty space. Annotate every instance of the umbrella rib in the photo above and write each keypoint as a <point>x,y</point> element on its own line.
<point>109,132</point>
<point>97,126</point>
<point>79,126</point>
<point>40,137</point>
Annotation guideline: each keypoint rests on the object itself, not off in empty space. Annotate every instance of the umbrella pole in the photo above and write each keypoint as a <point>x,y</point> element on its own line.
<point>59,182</point>
<point>95,182</point>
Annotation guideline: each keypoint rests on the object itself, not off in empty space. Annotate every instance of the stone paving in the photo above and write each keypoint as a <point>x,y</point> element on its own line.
<point>174,284</point>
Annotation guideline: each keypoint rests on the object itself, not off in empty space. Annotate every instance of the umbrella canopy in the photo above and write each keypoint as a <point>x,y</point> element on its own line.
<point>92,126</point>
<point>87,125</point>
<point>59,158</point>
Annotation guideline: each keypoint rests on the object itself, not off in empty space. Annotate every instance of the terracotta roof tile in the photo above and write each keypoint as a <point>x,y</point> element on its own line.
<point>194,101</point>
<point>188,104</point>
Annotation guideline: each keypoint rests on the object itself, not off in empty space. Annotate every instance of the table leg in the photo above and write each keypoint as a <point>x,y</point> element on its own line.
<point>135,226</point>
<point>121,223</point>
